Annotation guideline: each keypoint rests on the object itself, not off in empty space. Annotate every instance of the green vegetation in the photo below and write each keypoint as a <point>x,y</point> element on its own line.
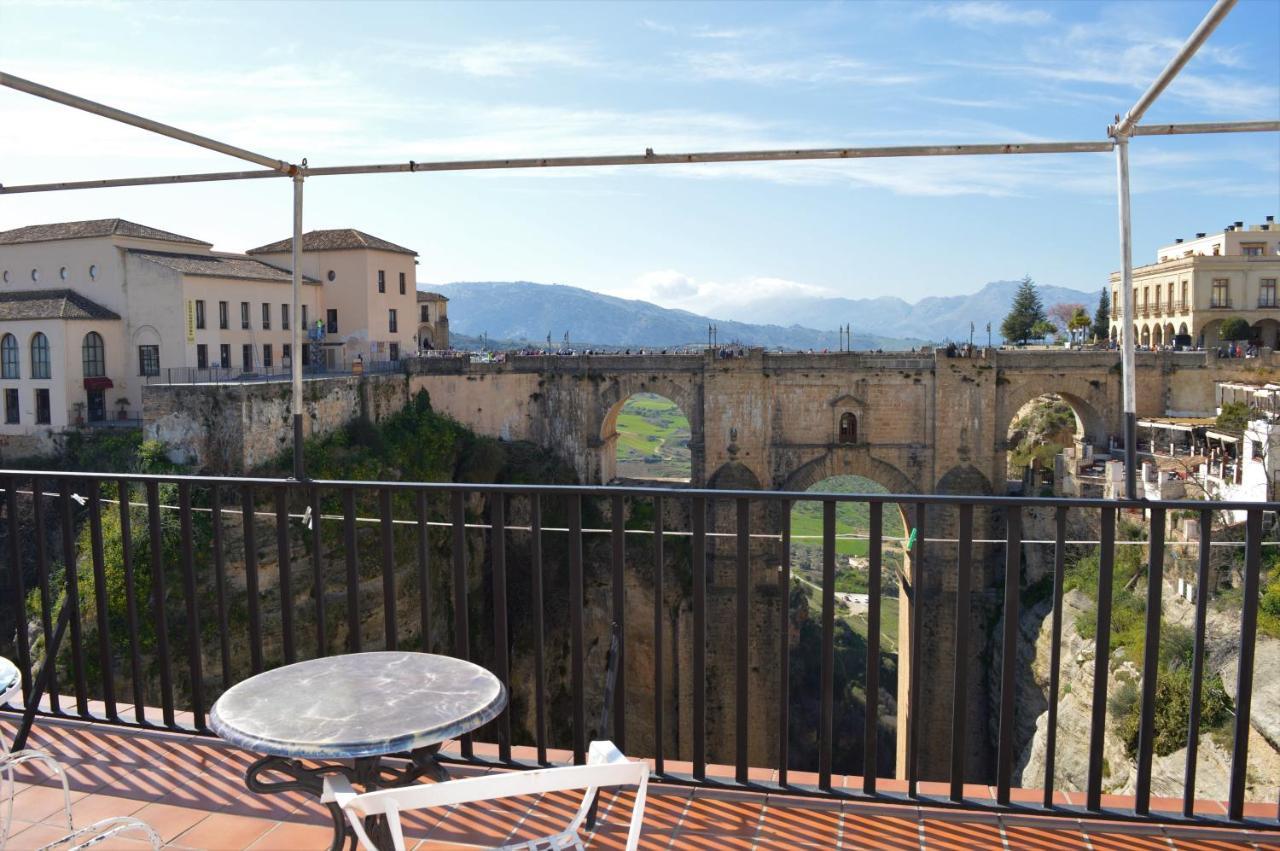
<point>1026,316</point>
<point>1235,416</point>
<point>1041,433</point>
<point>653,439</point>
<point>1234,328</point>
<point>1102,317</point>
<point>1128,637</point>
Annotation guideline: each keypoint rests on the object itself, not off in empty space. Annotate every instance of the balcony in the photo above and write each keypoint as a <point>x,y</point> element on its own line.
<point>1267,304</point>
<point>256,573</point>
<point>1220,304</point>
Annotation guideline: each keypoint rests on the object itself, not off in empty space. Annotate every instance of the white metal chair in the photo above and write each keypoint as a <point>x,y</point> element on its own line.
<point>606,767</point>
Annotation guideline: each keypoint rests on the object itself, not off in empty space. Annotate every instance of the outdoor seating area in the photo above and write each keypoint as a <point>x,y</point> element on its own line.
<point>190,789</point>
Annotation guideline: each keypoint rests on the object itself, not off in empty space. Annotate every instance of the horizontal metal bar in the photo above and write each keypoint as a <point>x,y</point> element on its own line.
<point>76,102</point>
<point>1206,127</point>
<point>647,158</point>
<point>1197,38</point>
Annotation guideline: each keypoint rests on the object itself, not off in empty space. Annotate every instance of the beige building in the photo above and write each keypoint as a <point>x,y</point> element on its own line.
<point>1182,298</point>
<point>92,311</point>
<point>433,321</point>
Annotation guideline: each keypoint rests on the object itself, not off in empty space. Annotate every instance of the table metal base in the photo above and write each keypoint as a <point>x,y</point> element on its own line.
<point>367,772</point>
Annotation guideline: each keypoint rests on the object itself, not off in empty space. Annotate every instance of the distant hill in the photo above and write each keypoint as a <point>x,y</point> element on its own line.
<point>524,311</point>
<point>936,318</point>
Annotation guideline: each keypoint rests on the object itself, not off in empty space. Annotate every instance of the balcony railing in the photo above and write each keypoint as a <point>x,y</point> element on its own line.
<point>1267,304</point>
<point>151,567</point>
<point>1220,304</point>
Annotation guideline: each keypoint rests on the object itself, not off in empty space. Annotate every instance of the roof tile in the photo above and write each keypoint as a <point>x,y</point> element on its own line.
<point>50,304</point>
<point>343,239</point>
<point>90,229</point>
<point>219,265</point>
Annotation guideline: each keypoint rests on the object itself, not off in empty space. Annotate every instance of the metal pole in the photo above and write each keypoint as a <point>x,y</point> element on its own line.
<point>1183,56</point>
<point>299,471</point>
<point>1126,320</point>
<point>1210,127</point>
<point>144,123</point>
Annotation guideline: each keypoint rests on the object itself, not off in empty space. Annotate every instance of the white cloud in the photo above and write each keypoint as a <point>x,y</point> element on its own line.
<point>671,288</point>
<point>981,13</point>
<point>497,58</point>
<point>738,67</point>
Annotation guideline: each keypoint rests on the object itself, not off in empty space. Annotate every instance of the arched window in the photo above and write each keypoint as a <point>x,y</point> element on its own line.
<point>39,356</point>
<point>9,367</point>
<point>95,359</point>
<point>848,428</point>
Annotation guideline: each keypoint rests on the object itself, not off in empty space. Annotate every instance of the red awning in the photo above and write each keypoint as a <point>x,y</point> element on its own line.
<point>100,383</point>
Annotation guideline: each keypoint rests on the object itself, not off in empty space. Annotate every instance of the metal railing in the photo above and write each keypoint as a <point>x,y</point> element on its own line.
<point>150,567</point>
<point>276,372</point>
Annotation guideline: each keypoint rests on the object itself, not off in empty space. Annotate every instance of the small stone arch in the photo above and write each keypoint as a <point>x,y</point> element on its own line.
<point>857,462</point>
<point>1157,336</point>
<point>425,338</point>
<point>1145,339</point>
<point>734,475</point>
<point>848,428</point>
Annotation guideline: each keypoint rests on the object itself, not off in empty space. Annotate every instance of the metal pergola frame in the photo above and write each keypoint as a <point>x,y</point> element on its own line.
<point>1119,134</point>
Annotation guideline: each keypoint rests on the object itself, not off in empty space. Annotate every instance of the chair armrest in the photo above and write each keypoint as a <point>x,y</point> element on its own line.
<point>337,790</point>
<point>604,752</point>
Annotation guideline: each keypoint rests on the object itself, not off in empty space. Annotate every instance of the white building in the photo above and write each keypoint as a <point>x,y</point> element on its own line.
<point>90,311</point>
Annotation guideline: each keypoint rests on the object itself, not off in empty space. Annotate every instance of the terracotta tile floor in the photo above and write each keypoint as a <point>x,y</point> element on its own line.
<point>191,790</point>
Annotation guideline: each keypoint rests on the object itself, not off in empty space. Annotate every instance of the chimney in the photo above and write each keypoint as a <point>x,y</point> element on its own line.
<point>1239,224</point>
<point>1200,236</point>
<point>1270,219</point>
<point>1178,241</point>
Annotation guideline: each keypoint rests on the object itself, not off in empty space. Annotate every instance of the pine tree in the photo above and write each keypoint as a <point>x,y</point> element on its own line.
<point>1102,317</point>
<point>1027,312</point>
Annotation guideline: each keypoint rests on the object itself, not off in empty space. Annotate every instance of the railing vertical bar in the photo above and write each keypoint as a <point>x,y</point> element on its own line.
<point>577,640</point>
<point>917,633</point>
<point>539,649</point>
<point>618,540</point>
<point>659,623</point>
<point>124,489</point>
<point>1055,650</point>
<point>501,647</point>
<point>743,553</point>
<point>424,571</point>
<point>158,599</point>
<point>19,588</point>
<point>354,638</point>
<point>826,688</point>
<point>194,666</point>
<point>871,724</point>
<point>1101,658</point>
<point>1197,663</point>
<point>698,517</point>
<point>317,574</point>
<point>388,570</point>
<point>249,524</point>
<point>1150,663</point>
<point>1009,653</point>
<point>960,677</point>
<point>72,577</point>
<point>1244,670</point>
<point>461,622</point>
<point>285,563</point>
<point>784,644</point>
<point>219,580</point>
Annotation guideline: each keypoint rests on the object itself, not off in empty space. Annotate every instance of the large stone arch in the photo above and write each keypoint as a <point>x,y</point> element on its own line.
<point>848,461</point>
<point>1088,399</point>
<point>614,393</point>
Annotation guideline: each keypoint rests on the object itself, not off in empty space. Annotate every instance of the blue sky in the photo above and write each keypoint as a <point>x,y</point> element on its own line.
<point>370,82</point>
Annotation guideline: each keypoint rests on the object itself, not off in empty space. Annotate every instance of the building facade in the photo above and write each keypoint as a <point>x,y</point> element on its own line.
<point>433,321</point>
<point>90,312</point>
<point>1182,298</point>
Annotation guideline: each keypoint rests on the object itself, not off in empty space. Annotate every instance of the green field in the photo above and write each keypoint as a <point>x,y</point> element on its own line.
<point>653,439</point>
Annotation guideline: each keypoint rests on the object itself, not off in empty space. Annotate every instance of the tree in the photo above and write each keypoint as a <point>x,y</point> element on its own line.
<point>1235,328</point>
<point>1060,314</point>
<point>1102,317</point>
<point>1043,328</point>
<point>1026,312</point>
<point>1079,323</point>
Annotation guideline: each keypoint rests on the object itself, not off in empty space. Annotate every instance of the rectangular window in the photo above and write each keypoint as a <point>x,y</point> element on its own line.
<point>1221,294</point>
<point>391,320</point>
<point>394,350</point>
<point>42,407</point>
<point>202,356</point>
<point>382,281</point>
<point>246,357</point>
<point>148,360</point>
<point>266,354</point>
<point>244,315</point>
<point>266,316</point>
<point>423,312</point>
<point>11,407</point>
<point>333,321</point>
<point>284,317</point>
<point>1253,249</point>
<point>304,318</point>
<point>1185,304</point>
<point>1267,293</point>
<point>286,356</point>
<point>402,283</point>
<point>200,313</point>
<point>224,355</point>
<point>223,322</point>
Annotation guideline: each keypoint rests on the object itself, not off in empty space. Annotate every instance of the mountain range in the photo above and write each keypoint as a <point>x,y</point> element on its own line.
<point>522,311</point>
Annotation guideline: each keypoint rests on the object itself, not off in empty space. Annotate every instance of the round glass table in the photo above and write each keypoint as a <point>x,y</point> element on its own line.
<point>343,714</point>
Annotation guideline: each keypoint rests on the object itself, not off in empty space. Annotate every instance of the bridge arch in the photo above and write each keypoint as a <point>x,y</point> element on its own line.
<point>615,397</point>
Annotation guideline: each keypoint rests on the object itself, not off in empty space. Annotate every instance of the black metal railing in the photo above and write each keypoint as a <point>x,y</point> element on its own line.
<point>175,592</point>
